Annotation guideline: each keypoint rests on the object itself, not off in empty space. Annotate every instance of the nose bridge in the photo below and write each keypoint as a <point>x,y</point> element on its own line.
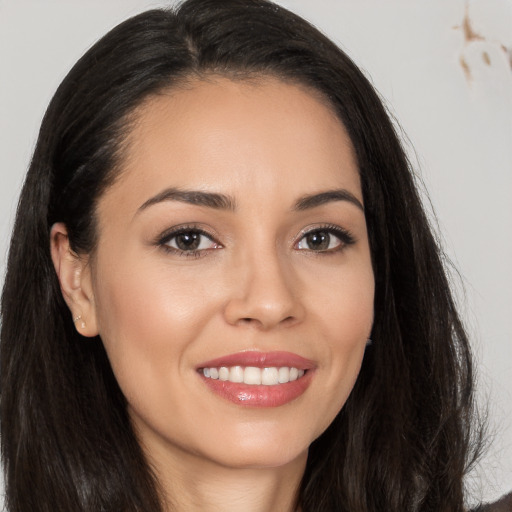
<point>265,290</point>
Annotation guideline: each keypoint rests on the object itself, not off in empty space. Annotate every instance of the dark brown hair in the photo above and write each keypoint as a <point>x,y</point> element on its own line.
<point>402,442</point>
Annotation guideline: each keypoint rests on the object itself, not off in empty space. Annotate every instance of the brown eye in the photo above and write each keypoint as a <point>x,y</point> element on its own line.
<point>319,241</point>
<point>190,241</point>
<point>325,239</point>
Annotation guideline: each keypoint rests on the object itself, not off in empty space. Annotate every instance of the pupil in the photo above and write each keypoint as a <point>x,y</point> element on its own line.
<point>188,241</point>
<point>318,241</point>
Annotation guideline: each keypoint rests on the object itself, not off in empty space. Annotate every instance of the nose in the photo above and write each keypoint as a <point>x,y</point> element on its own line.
<point>264,294</point>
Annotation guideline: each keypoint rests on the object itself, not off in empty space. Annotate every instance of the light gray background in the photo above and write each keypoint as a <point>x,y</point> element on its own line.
<point>444,70</point>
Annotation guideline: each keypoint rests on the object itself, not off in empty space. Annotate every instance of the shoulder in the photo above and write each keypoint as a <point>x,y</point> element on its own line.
<point>502,505</point>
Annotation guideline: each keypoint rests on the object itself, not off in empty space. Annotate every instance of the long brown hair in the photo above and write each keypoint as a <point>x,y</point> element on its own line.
<point>404,439</point>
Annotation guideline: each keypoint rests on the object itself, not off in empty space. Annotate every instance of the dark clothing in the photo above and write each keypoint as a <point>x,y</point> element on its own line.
<point>503,505</point>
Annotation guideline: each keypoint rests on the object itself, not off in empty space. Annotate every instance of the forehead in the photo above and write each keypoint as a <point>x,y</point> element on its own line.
<point>224,134</point>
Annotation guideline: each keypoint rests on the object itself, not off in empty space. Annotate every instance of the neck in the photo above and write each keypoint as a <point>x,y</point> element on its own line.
<point>192,484</point>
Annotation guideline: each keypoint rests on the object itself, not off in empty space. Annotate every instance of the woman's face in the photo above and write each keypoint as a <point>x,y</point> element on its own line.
<point>234,240</point>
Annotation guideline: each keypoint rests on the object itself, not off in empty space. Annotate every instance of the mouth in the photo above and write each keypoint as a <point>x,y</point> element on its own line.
<point>254,376</point>
<point>258,379</point>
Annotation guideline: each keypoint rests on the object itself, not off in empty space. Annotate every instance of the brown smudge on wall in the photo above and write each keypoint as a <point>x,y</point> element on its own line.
<point>467,29</point>
<point>508,52</point>
<point>471,36</point>
<point>465,68</point>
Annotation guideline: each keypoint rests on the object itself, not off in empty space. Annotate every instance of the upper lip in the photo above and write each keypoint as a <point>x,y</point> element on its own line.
<point>260,360</point>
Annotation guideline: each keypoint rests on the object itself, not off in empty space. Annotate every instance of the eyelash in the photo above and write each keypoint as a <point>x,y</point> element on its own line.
<point>344,236</point>
<point>164,240</point>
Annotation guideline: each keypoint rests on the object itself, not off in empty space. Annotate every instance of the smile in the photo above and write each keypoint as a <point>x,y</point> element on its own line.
<point>258,379</point>
<point>254,376</point>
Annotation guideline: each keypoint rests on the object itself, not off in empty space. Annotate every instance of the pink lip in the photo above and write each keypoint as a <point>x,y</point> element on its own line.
<point>260,396</point>
<point>260,360</point>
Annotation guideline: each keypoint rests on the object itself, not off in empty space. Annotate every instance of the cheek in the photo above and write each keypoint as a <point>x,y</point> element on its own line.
<point>149,319</point>
<point>342,301</point>
<point>144,294</point>
<point>344,317</point>
<point>148,314</point>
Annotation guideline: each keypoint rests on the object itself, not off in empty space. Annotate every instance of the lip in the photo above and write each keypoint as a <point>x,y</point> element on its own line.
<point>259,395</point>
<point>260,360</point>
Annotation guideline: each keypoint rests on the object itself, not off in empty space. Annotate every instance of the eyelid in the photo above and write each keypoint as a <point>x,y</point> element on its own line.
<point>344,235</point>
<point>164,238</point>
<point>182,228</point>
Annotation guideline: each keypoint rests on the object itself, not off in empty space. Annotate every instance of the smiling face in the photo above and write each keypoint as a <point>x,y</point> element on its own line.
<point>234,237</point>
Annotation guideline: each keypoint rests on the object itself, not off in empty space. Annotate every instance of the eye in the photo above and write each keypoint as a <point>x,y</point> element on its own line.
<point>319,241</point>
<point>328,239</point>
<point>188,241</point>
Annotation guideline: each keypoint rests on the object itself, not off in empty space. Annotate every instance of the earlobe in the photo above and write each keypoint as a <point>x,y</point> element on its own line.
<point>74,276</point>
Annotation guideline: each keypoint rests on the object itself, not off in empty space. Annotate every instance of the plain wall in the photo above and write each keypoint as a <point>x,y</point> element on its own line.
<point>445,72</point>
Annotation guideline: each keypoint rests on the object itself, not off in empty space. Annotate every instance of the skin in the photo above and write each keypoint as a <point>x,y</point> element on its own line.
<point>257,286</point>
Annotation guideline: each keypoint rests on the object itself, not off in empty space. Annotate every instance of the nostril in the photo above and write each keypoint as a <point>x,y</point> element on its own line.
<point>257,310</point>
<point>252,321</point>
<point>248,321</point>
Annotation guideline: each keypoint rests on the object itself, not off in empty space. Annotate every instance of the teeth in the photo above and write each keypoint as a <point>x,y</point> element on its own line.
<point>254,376</point>
<point>284,375</point>
<point>236,374</point>
<point>270,376</point>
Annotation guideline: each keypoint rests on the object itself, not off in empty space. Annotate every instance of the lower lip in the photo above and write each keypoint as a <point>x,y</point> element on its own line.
<point>260,396</point>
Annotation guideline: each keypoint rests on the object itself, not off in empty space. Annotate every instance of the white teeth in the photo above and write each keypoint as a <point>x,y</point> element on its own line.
<point>270,376</point>
<point>252,375</point>
<point>236,374</point>
<point>284,374</point>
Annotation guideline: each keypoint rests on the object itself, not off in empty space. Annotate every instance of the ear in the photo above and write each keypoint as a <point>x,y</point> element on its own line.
<point>75,280</point>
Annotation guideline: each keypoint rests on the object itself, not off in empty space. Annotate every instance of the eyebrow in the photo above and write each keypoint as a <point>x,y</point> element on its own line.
<point>314,200</point>
<point>223,202</point>
<point>195,197</point>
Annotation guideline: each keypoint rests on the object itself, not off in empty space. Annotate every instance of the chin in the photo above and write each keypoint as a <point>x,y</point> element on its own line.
<point>270,451</point>
<point>263,459</point>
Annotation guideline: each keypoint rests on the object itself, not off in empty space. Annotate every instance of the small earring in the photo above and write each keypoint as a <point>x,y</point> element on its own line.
<point>369,342</point>
<point>79,317</point>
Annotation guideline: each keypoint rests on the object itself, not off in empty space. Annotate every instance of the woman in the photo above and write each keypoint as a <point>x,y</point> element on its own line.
<point>233,296</point>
